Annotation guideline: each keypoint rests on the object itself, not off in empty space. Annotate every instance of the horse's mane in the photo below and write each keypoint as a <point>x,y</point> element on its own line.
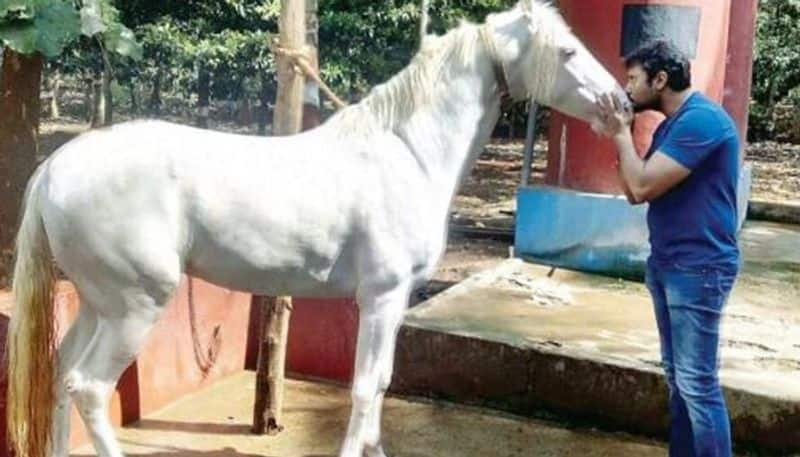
<point>414,87</point>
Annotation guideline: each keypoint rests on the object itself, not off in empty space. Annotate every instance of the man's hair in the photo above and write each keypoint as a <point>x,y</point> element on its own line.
<point>662,55</point>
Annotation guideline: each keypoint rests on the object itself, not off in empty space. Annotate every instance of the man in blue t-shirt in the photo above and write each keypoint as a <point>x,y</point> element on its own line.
<point>689,178</point>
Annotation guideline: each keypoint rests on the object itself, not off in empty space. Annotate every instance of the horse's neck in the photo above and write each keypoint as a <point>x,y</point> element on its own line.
<point>447,135</point>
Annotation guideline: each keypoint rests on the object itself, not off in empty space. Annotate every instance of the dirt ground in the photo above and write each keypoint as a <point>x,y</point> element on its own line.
<point>776,171</point>
<point>486,199</point>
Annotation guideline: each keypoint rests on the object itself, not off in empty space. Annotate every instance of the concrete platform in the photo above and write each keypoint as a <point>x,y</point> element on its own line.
<point>215,423</point>
<point>585,347</point>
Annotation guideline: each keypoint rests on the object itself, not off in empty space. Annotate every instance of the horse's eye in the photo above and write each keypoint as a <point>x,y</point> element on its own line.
<point>568,53</point>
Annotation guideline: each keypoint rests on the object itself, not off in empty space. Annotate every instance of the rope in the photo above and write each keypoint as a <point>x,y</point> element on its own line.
<point>302,66</point>
<point>204,357</point>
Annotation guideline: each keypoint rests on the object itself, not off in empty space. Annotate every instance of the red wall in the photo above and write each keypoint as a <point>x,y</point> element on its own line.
<point>739,69</point>
<point>322,339</point>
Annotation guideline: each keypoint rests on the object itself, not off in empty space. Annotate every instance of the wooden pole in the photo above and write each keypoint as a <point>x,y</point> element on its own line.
<point>423,22</point>
<point>311,103</point>
<point>271,362</point>
<point>292,36</point>
<point>276,310</point>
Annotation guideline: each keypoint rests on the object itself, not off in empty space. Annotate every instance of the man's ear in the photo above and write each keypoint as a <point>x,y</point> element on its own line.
<point>660,81</point>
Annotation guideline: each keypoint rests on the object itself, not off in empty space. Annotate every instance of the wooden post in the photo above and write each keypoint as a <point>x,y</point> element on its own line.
<point>274,331</point>
<point>276,310</point>
<point>311,102</point>
<point>424,20</point>
<point>289,103</point>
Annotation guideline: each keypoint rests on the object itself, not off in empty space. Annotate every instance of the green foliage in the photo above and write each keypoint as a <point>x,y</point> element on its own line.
<point>29,26</point>
<point>362,43</point>
<point>100,17</point>
<point>365,42</point>
<point>221,42</point>
<point>776,68</point>
<point>48,26</point>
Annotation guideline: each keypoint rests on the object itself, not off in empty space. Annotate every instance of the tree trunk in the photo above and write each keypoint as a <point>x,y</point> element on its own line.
<point>98,102</point>
<point>55,112</point>
<point>770,114</point>
<point>288,117</point>
<point>20,86</point>
<point>155,96</point>
<point>241,110</point>
<point>102,104</point>
<point>108,98</point>
<point>244,114</point>
<point>264,112</point>
<point>134,99</point>
<point>88,98</point>
<point>203,96</point>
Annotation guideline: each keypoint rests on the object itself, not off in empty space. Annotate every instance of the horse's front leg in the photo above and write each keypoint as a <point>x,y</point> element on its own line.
<point>381,313</point>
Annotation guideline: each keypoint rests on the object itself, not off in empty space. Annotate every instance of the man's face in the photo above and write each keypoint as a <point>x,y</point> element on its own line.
<point>643,93</point>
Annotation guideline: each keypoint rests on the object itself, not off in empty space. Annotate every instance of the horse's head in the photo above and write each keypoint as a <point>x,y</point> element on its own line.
<point>544,60</point>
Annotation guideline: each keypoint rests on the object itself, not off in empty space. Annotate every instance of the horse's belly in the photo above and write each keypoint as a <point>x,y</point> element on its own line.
<point>276,284</point>
<point>298,273</point>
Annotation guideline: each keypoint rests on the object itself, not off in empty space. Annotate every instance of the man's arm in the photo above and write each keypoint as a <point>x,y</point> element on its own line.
<point>625,188</point>
<point>646,180</point>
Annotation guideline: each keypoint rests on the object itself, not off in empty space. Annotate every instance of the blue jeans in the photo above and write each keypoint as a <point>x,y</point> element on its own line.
<point>688,307</point>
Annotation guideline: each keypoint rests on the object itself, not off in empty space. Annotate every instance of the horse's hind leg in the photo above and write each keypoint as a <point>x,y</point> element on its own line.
<point>125,317</point>
<point>91,381</point>
<point>69,352</point>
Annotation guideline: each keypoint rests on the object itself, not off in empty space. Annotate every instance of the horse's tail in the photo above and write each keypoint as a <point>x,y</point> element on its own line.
<point>31,345</point>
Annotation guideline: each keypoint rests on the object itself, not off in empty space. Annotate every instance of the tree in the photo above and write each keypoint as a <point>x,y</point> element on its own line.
<point>19,122</point>
<point>776,68</point>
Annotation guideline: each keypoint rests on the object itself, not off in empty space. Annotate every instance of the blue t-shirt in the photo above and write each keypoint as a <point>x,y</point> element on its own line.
<point>695,222</point>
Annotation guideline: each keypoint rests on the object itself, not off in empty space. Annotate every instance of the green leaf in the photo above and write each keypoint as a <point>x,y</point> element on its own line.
<point>55,24</point>
<point>121,40</point>
<point>17,9</point>
<point>20,37</point>
<point>92,18</point>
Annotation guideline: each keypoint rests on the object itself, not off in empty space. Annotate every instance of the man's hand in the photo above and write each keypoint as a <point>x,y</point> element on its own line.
<point>616,116</point>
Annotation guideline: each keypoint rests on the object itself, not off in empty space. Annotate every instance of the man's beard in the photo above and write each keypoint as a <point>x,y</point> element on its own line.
<point>652,104</point>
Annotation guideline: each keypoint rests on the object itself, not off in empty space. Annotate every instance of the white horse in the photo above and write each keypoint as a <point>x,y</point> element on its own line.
<point>357,207</point>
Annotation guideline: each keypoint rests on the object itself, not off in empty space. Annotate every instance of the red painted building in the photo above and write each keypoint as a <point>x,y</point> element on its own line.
<point>717,35</point>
